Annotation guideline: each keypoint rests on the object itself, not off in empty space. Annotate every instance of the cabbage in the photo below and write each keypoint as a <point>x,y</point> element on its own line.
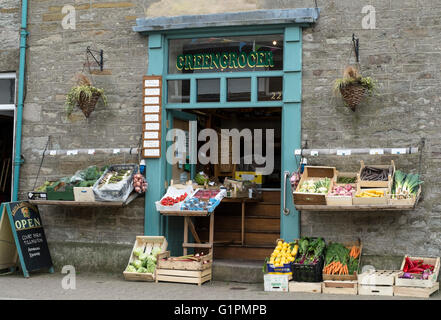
<point>143,256</point>
<point>151,258</point>
<point>201,178</point>
<point>142,270</point>
<point>137,264</point>
<point>137,252</point>
<point>131,269</point>
<point>151,266</point>
<point>156,251</point>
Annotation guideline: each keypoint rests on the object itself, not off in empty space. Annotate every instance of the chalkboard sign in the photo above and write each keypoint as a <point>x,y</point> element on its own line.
<point>28,233</point>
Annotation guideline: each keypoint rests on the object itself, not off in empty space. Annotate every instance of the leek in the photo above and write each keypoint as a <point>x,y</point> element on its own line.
<point>405,185</point>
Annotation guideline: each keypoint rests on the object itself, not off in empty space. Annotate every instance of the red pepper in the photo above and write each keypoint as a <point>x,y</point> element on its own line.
<point>406,268</point>
<point>416,270</point>
<point>411,265</point>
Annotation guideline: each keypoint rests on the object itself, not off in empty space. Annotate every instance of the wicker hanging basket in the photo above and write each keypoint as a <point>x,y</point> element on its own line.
<point>88,105</point>
<point>353,94</point>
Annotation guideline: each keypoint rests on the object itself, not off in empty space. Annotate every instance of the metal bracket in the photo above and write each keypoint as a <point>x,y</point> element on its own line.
<point>101,53</point>
<point>355,42</point>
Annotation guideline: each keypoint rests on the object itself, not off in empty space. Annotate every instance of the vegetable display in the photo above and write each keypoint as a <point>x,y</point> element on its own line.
<point>113,177</point>
<point>284,253</point>
<point>347,191</point>
<point>310,250</point>
<point>346,180</point>
<point>405,185</point>
<point>371,194</point>
<point>144,263</point>
<point>139,183</point>
<point>316,186</point>
<point>375,174</point>
<point>170,201</point>
<point>340,260</point>
<point>416,269</point>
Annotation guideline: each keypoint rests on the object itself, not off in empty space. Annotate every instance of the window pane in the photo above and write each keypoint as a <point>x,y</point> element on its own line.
<point>208,90</point>
<point>178,91</point>
<point>270,89</point>
<point>229,54</point>
<point>7,91</point>
<point>239,89</point>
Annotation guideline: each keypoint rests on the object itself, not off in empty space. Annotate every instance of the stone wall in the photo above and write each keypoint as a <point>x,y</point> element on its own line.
<point>9,35</point>
<point>402,53</point>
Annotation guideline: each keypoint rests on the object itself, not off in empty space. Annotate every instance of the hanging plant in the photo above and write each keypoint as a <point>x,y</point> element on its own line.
<point>353,87</point>
<point>84,96</point>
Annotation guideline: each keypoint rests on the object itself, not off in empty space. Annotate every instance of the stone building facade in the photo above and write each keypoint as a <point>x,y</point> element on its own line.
<point>402,53</point>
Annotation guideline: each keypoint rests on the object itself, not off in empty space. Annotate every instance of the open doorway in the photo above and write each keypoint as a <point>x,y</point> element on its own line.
<point>238,236</point>
<point>6,151</point>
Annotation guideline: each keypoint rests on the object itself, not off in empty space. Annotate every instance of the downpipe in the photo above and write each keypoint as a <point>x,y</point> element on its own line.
<point>19,115</point>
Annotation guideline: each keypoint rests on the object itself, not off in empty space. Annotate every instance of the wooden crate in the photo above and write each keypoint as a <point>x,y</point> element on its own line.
<point>375,184</point>
<point>338,200</point>
<point>416,292</point>
<point>404,202</point>
<point>147,243</point>
<point>340,287</point>
<point>308,287</point>
<point>377,283</point>
<point>315,173</point>
<point>420,283</point>
<point>183,276</point>
<point>167,262</point>
<point>365,290</point>
<point>188,271</point>
<point>346,277</point>
<point>347,175</point>
<point>371,201</point>
<point>378,277</point>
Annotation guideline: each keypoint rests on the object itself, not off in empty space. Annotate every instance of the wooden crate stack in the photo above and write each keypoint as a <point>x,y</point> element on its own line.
<point>377,282</point>
<point>307,287</point>
<point>418,288</point>
<point>192,270</point>
<point>146,243</point>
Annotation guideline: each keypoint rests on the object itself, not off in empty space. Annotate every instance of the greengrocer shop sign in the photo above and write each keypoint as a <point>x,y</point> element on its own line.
<point>225,60</point>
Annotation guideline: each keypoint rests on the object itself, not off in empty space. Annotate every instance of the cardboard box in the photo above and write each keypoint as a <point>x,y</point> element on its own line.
<point>276,283</point>
<point>83,194</point>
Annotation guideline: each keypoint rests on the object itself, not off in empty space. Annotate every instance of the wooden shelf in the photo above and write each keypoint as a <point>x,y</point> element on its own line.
<point>353,208</point>
<point>186,213</point>
<point>132,197</point>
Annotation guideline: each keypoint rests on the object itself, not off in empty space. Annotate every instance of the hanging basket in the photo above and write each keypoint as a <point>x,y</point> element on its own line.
<point>353,94</point>
<point>88,105</point>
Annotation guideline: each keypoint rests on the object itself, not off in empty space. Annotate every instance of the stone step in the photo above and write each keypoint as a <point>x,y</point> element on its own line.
<point>241,271</point>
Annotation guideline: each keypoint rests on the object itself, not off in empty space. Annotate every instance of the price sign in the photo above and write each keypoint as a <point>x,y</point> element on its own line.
<point>298,152</point>
<point>399,151</point>
<point>343,152</point>
<point>152,116</point>
<point>53,152</point>
<point>314,153</point>
<point>72,152</point>
<point>376,151</point>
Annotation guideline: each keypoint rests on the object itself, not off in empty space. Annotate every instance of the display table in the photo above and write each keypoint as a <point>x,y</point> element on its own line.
<point>187,214</point>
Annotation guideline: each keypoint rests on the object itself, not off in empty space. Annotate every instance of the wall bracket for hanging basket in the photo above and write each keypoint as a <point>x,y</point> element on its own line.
<point>101,55</point>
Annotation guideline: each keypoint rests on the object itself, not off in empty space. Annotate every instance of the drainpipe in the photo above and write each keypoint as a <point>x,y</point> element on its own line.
<point>21,80</point>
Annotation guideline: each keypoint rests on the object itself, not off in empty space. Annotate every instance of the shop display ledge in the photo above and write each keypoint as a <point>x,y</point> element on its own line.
<point>354,208</point>
<point>132,197</point>
<point>185,213</point>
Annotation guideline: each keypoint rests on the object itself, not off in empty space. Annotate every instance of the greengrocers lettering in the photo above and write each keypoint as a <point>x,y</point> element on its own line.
<point>225,60</point>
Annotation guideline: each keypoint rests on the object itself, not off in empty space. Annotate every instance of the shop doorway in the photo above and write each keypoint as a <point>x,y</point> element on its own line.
<point>251,237</point>
<point>6,153</point>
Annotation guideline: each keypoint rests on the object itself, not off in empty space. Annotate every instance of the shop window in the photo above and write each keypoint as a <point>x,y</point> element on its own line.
<point>208,90</point>
<point>270,89</point>
<point>178,91</point>
<point>7,90</point>
<point>239,89</point>
<point>226,54</point>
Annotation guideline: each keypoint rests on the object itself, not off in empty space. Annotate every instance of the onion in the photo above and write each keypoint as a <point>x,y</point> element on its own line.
<point>137,189</point>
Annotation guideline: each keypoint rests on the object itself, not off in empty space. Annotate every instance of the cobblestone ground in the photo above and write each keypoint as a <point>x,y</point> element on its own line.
<point>44,286</point>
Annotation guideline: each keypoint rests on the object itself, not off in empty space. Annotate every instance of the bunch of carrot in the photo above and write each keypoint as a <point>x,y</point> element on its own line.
<point>337,268</point>
<point>355,252</point>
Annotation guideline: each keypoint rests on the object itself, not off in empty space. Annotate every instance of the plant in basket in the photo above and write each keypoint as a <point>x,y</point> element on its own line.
<point>84,96</point>
<point>353,87</point>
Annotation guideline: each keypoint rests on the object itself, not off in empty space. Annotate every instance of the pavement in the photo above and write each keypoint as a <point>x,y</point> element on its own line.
<point>88,286</point>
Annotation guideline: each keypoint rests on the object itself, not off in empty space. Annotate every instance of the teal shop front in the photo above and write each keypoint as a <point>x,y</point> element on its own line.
<point>189,74</point>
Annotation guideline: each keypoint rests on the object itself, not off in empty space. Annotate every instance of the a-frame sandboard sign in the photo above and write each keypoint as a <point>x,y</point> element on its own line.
<point>22,238</point>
